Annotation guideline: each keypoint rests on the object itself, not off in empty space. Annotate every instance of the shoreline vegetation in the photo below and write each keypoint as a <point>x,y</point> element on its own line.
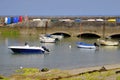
<point>106,72</point>
<point>14,31</point>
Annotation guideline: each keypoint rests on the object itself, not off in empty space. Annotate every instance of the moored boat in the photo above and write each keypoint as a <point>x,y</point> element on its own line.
<point>58,37</point>
<point>108,42</point>
<point>47,39</point>
<point>86,45</point>
<point>28,49</point>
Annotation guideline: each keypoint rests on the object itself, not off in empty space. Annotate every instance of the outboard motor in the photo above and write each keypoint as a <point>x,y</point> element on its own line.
<point>45,49</point>
<point>56,39</point>
<point>96,44</point>
<point>26,43</point>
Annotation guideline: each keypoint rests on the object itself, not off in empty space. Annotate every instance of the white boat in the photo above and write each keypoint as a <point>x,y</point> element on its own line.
<point>28,49</point>
<point>108,42</point>
<point>59,37</point>
<point>47,39</point>
<point>86,45</point>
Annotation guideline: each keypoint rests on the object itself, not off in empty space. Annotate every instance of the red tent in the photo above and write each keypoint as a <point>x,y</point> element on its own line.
<point>20,18</point>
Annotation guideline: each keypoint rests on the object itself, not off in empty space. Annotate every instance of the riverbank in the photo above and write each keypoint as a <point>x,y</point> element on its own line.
<point>7,31</point>
<point>106,72</point>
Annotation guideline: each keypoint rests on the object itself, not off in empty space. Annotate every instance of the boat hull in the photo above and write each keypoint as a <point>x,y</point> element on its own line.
<point>108,43</point>
<point>26,49</point>
<point>85,45</point>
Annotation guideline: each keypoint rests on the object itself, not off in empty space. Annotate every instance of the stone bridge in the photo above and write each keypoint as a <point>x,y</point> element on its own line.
<point>90,31</point>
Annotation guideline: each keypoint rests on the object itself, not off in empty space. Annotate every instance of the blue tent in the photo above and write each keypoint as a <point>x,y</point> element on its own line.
<point>15,19</point>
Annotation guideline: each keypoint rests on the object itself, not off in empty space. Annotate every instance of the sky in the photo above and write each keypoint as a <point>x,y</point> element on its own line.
<point>60,7</point>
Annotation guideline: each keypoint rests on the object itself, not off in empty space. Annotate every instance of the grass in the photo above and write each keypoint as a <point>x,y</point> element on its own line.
<point>36,74</point>
<point>56,74</point>
<point>16,31</point>
<point>9,32</point>
<point>118,77</point>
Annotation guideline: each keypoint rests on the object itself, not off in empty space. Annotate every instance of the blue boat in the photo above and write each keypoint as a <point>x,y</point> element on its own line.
<point>28,49</point>
<point>86,45</point>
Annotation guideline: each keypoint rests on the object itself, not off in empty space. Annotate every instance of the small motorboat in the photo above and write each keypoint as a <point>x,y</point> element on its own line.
<point>28,49</point>
<point>57,37</point>
<point>108,42</point>
<point>86,45</point>
<point>47,39</point>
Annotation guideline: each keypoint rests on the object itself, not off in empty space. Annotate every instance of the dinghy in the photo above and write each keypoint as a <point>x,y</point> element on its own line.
<point>86,45</point>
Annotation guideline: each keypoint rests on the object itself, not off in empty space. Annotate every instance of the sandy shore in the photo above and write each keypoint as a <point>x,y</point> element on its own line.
<point>86,69</point>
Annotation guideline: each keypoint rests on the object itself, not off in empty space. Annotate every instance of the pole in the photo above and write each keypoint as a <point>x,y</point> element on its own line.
<point>104,29</point>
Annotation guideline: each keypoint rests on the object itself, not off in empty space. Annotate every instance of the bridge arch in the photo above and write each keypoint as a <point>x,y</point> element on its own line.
<point>115,35</point>
<point>89,35</point>
<point>65,34</point>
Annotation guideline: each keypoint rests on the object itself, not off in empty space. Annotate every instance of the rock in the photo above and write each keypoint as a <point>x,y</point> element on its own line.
<point>44,70</point>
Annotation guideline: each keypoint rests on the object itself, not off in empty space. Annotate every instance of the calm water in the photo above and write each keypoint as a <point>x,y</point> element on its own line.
<point>60,56</point>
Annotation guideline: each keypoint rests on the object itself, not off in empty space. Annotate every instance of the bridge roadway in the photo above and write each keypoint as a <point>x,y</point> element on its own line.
<point>92,31</point>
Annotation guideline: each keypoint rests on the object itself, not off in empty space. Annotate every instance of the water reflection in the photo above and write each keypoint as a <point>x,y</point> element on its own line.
<point>88,50</point>
<point>48,45</point>
<point>110,47</point>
